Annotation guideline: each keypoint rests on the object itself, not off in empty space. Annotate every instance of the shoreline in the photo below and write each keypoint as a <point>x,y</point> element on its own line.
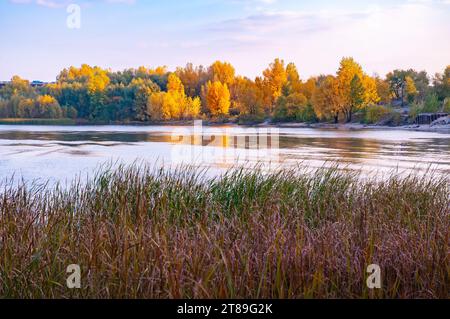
<point>359,126</point>
<point>444,129</point>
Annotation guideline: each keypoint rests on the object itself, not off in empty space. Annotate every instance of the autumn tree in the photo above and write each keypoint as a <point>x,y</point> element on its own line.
<point>275,78</point>
<point>83,88</point>
<point>222,72</point>
<point>410,88</point>
<point>17,86</point>
<point>217,97</point>
<point>173,104</point>
<point>266,94</point>
<point>398,83</point>
<point>357,95</point>
<point>293,105</point>
<point>357,90</point>
<point>441,84</point>
<point>293,78</point>
<point>156,108</point>
<point>327,99</point>
<point>383,90</point>
<point>193,78</point>
<point>247,98</point>
<point>307,88</point>
<point>48,107</point>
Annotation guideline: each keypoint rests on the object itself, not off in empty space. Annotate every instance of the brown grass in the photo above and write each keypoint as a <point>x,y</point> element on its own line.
<point>141,233</point>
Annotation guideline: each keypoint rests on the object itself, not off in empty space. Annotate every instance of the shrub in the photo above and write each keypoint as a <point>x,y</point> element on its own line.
<point>414,110</point>
<point>375,113</point>
<point>248,119</point>
<point>396,119</point>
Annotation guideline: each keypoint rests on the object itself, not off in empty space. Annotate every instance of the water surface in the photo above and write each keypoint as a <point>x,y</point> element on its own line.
<point>58,153</point>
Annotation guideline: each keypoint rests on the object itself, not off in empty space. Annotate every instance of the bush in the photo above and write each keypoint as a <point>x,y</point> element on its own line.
<point>375,113</point>
<point>248,119</point>
<point>415,110</point>
<point>396,119</point>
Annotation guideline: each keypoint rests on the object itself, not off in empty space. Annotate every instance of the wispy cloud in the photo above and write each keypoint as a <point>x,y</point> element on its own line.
<point>286,23</point>
<point>380,36</point>
<point>248,33</point>
<point>63,3</point>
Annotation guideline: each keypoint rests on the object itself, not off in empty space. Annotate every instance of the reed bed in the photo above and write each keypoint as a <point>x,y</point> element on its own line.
<point>138,232</point>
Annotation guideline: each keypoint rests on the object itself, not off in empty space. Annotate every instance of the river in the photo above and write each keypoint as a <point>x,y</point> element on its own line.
<point>59,153</point>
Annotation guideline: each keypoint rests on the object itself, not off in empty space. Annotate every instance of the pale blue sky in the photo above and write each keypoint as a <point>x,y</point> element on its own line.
<point>381,35</point>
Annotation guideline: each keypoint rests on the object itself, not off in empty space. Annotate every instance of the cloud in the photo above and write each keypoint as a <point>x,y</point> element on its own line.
<point>63,3</point>
<point>381,37</point>
<point>121,1</point>
<point>44,3</point>
<point>284,23</point>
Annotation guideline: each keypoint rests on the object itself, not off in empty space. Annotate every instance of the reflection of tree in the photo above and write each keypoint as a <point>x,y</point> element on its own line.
<point>336,148</point>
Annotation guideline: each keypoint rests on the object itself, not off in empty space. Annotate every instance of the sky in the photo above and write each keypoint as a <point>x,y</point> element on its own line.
<point>36,42</point>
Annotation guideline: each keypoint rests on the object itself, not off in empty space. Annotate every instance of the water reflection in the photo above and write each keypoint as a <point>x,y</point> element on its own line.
<point>60,153</point>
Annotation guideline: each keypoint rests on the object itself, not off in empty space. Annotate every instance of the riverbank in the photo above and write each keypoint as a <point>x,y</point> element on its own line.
<point>139,233</point>
<point>348,126</point>
<point>37,121</point>
<point>359,126</point>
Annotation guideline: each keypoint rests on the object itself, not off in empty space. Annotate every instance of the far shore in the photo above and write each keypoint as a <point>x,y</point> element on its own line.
<point>340,126</point>
<point>360,126</point>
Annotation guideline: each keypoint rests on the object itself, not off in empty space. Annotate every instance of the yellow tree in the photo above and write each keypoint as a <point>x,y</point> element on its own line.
<point>370,90</point>
<point>155,107</point>
<point>348,69</point>
<point>223,72</point>
<point>308,88</point>
<point>17,86</point>
<point>96,79</point>
<point>356,88</point>
<point>327,99</point>
<point>410,88</point>
<point>217,98</point>
<point>48,107</point>
<point>275,78</point>
<point>266,93</point>
<point>192,107</point>
<point>173,104</point>
<point>293,78</point>
<point>247,98</point>
<point>383,90</point>
<point>176,97</point>
<point>192,78</point>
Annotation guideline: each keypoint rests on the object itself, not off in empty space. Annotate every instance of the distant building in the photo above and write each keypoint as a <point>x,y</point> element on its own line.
<point>33,84</point>
<point>37,83</point>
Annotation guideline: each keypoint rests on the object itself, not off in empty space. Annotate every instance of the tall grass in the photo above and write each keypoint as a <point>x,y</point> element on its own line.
<point>138,232</point>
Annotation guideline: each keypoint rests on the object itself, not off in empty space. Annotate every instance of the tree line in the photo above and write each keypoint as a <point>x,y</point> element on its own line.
<point>216,92</point>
